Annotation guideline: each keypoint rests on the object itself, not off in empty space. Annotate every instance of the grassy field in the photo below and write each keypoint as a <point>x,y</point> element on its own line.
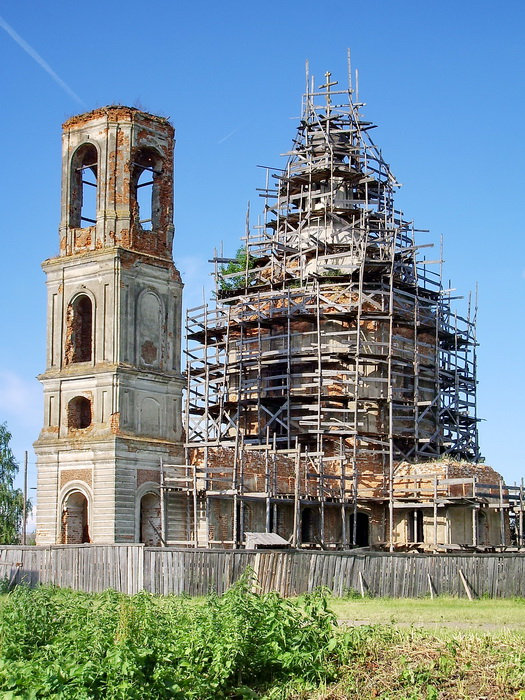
<point>64,644</point>
<point>460,613</point>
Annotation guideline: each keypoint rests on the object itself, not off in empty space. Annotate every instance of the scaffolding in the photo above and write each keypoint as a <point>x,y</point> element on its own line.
<point>330,354</point>
<point>273,477</point>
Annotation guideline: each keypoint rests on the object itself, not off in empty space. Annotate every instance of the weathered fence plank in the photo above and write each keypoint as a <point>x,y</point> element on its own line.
<point>131,568</point>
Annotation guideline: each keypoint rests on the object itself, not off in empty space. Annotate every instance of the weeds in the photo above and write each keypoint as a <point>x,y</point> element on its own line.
<point>63,644</point>
<point>57,643</point>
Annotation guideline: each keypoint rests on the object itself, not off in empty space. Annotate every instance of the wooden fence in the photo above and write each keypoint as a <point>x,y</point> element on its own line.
<point>131,568</point>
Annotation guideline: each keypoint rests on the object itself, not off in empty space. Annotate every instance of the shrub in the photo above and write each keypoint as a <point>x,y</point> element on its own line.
<point>58,643</point>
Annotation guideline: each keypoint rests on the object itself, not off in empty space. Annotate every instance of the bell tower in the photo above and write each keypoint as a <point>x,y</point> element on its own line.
<point>112,384</point>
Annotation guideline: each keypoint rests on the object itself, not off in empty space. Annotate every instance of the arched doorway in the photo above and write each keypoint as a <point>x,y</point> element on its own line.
<point>362,532</point>
<point>75,519</point>
<point>150,528</point>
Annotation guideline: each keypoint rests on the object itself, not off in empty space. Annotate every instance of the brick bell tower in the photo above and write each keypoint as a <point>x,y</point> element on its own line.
<point>112,384</point>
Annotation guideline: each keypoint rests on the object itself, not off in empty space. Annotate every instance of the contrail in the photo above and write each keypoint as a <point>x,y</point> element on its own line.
<point>38,58</point>
<point>225,138</point>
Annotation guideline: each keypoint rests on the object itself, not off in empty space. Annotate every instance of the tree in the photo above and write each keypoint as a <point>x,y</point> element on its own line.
<point>11,499</point>
<point>243,262</point>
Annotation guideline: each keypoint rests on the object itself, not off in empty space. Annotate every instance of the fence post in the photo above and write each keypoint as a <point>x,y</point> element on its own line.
<point>430,586</point>
<point>465,584</point>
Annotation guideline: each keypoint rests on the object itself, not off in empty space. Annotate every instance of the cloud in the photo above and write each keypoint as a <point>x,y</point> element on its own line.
<point>38,59</point>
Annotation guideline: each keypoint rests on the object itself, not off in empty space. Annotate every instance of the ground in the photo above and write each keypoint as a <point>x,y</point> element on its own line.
<point>443,612</point>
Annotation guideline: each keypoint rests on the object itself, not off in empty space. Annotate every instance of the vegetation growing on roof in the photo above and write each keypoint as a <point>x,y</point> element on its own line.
<point>243,261</point>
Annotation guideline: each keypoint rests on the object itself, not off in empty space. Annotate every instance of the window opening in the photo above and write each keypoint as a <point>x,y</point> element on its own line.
<point>88,175</point>
<point>146,173</point>
<point>79,413</point>
<point>83,211</point>
<point>79,330</point>
<point>144,198</point>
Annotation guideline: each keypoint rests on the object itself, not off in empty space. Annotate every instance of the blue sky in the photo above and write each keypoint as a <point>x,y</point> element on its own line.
<point>444,82</point>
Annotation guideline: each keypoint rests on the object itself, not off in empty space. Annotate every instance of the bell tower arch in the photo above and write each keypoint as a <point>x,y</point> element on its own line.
<point>112,383</point>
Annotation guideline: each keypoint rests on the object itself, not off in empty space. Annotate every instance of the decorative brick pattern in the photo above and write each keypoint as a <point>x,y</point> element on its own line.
<point>67,475</point>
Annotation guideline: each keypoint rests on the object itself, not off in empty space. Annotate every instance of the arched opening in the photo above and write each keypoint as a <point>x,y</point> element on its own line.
<point>79,330</point>
<point>75,522</point>
<point>79,413</point>
<point>310,525</point>
<point>83,198</point>
<point>145,201</point>
<point>362,529</point>
<point>415,526</point>
<point>150,527</point>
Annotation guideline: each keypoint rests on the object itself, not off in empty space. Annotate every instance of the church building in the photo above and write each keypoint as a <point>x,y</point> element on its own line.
<point>330,386</point>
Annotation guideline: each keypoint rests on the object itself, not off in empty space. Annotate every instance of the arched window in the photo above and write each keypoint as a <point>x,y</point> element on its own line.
<point>79,413</point>
<point>79,330</point>
<point>83,197</point>
<point>75,523</point>
<point>145,200</point>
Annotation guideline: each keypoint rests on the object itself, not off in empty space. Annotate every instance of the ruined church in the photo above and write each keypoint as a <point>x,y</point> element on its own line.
<point>113,383</point>
<point>329,393</point>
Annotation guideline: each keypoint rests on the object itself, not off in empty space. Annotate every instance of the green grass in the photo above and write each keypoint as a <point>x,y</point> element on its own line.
<point>483,613</point>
